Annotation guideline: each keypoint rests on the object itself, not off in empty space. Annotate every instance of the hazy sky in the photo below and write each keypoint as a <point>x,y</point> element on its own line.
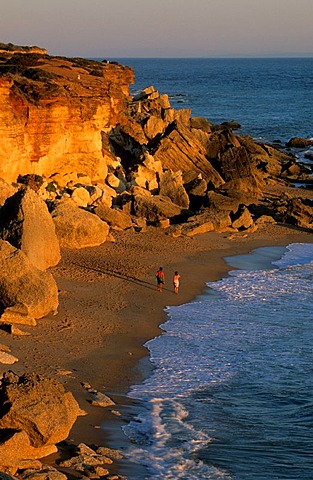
<point>160,28</point>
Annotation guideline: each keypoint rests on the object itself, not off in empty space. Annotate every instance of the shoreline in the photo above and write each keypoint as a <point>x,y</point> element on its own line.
<point>109,308</point>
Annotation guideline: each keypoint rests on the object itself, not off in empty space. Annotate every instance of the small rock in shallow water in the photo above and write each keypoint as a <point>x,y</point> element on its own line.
<point>101,400</point>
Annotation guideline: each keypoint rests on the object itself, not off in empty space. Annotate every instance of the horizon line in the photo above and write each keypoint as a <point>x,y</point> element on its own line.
<point>309,55</point>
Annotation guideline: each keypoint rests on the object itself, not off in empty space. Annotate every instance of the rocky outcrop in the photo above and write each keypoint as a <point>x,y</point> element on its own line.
<point>26,223</point>
<point>77,228</point>
<point>56,114</point>
<point>25,289</point>
<point>299,142</point>
<point>297,211</point>
<point>36,414</point>
<point>130,160</point>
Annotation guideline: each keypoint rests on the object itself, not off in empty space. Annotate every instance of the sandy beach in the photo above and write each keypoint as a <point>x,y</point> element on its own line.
<point>109,307</point>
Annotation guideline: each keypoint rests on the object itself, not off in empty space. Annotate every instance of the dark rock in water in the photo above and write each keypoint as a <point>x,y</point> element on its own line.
<point>232,125</point>
<point>201,123</point>
<point>309,154</point>
<point>299,142</point>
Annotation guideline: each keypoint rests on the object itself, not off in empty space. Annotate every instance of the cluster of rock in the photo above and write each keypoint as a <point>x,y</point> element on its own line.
<point>171,171</point>
<point>36,413</point>
<point>91,462</point>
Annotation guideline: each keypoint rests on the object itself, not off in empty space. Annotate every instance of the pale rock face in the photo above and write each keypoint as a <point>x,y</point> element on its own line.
<point>145,178</point>
<point>171,185</point>
<point>17,447</point>
<point>65,132</point>
<point>152,164</point>
<point>81,196</point>
<point>25,286</point>
<point>6,191</point>
<point>153,127</point>
<point>26,223</point>
<point>116,183</point>
<point>115,218</point>
<point>77,228</point>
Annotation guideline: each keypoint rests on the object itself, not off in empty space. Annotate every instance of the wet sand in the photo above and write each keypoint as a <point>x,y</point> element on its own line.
<point>109,307</point>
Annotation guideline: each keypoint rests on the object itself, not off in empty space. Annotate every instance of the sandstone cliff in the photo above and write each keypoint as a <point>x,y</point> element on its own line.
<point>55,114</point>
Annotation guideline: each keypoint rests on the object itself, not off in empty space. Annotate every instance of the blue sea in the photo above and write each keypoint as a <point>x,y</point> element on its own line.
<point>231,393</point>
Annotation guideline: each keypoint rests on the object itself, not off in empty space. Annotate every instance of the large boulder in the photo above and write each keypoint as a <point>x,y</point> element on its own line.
<point>240,172</point>
<point>171,185</point>
<point>115,218</point>
<point>155,208</point>
<point>299,142</point>
<point>39,406</point>
<point>154,126</point>
<point>208,221</point>
<point>81,196</point>
<point>15,448</point>
<point>26,223</point>
<point>35,413</point>
<point>77,228</point>
<point>220,201</point>
<point>29,290</point>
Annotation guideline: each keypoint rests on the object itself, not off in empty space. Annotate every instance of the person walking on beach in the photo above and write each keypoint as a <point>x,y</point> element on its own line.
<point>176,279</point>
<point>160,279</point>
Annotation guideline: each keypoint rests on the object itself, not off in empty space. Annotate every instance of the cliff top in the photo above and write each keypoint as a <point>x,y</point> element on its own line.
<point>11,49</point>
<point>38,76</point>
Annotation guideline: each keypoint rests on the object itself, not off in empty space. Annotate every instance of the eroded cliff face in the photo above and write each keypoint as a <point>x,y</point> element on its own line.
<point>56,113</point>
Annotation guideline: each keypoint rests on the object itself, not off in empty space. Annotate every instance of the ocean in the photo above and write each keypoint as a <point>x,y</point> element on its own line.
<point>272,98</point>
<point>231,393</point>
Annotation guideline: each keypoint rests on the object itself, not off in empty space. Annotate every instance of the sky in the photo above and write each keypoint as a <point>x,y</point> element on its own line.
<point>161,28</point>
